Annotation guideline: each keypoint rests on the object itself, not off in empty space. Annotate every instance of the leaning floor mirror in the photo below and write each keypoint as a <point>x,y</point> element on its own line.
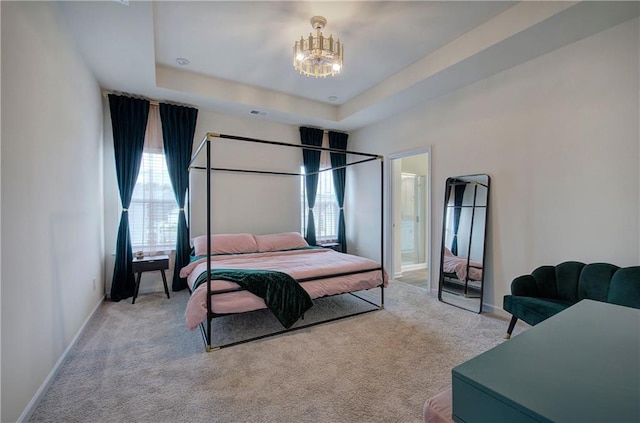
<point>464,228</point>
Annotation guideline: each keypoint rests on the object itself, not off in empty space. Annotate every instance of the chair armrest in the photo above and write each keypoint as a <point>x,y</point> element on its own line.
<point>524,286</point>
<point>625,287</point>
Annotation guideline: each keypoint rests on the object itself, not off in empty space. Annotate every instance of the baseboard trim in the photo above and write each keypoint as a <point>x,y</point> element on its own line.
<point>498,311</point>
<point>30,408</point>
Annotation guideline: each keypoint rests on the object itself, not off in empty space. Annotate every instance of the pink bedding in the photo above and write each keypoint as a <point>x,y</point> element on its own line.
<point>299,264</point>
<point>458,265</point>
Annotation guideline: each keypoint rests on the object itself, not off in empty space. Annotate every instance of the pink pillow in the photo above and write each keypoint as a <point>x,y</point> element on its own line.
<point>225,244</point>
<point>277,242</point>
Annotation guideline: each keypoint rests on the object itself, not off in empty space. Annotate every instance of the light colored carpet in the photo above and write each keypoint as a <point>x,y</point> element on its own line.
<point>139,363</point>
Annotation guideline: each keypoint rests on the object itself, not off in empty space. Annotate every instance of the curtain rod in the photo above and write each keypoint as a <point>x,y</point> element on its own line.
<point>150,100</point>
<point>324,131</point>
<point>153,102</point>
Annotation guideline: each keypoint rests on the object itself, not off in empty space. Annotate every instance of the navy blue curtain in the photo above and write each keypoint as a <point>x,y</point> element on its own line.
<point>458,196</point>
<point>311,160</point>
<point>338,141</point>
<point>129,123</point>
<point>178,129</point>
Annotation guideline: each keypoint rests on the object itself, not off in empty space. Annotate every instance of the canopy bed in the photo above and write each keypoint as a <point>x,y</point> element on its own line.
<point>233,273</point>
<point>461,269</point>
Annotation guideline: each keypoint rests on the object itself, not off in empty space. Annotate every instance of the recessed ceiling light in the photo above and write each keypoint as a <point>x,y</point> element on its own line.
<point>333,98</point>
<point>182,61</point>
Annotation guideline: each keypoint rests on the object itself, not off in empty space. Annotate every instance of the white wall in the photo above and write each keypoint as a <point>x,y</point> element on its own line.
<point>559,136</point>
<point>241,203</point>
<point>416,164</point>
<point>52,206</point>
<point>248,202</point>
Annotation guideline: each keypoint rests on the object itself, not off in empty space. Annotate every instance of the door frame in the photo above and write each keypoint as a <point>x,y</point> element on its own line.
<point>392,208</point>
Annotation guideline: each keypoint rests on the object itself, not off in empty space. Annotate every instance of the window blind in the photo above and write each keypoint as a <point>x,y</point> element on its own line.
<point>326,208</point>
<point>153,213</point>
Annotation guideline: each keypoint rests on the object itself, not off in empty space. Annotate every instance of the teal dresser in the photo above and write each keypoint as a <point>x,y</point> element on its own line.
<point>581,365</point>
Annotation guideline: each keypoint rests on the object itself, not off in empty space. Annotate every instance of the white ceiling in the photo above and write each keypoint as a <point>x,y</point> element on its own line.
<point>397,54</point>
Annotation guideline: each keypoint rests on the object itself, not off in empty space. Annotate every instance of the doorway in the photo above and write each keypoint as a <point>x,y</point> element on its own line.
<point>411,220</point>
<point>410,228</point>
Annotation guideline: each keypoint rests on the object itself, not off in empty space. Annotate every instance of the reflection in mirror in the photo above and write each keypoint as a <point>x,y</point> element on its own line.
<point>464,225</point>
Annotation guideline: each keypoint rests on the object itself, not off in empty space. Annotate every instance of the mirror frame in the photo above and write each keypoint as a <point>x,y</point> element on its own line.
<point>448,182</point>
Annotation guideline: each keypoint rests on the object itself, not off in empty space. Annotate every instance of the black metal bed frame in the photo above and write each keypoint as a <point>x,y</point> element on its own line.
<point>206,145</point>
<point>466,286</point>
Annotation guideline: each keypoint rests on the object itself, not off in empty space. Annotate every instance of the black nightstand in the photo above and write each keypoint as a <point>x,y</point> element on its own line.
<point>148,264</point>
<point>333,245</point>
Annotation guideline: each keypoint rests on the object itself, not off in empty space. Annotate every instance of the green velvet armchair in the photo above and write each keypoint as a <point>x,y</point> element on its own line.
<point>550,289</point>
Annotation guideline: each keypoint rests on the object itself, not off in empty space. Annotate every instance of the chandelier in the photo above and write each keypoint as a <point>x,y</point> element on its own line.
<point>318,56</point>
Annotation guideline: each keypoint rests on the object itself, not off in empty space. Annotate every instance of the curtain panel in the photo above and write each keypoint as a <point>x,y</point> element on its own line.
<point>129,121</point>
<point>178,129</point>
<point>311,161</point>
<point>458,196</point>
<point>338,141</point>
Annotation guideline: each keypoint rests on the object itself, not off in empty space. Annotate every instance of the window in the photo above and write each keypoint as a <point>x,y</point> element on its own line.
<point>153,213</point>
<point>326,209</point>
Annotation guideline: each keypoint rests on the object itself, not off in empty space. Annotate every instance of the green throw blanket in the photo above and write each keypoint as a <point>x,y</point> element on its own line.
<point>282,294</point>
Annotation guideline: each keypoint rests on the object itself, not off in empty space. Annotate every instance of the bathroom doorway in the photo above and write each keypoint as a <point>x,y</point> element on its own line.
<point>412,220</point>
<point>410,217</point>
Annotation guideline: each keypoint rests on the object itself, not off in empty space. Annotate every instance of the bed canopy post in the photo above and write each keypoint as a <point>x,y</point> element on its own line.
<point>473,214</point>
<point>208,334</point>
<point>382,229</point>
